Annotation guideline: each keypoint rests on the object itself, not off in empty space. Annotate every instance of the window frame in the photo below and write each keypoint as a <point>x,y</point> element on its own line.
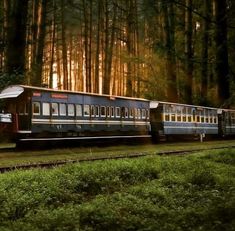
<point>48,109</point>
<point>79,109</point>
<point>54,110</point>
<point>103,111</point>
<point>86,110</point>
<point>39,108</point>
<point>65,111</point>
<point>117,112</point>
<point>68,109</point>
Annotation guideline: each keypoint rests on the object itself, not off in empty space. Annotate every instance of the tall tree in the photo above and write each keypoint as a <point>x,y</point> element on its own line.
<point>64,47</point>
<point>16,25</point>
<point>189,51</point>
<point>221,67</point>
<point>205,49</point>
<point>38,40</point>
<point>98,50</point>
<point>109,43</point>
<point>169,24</point>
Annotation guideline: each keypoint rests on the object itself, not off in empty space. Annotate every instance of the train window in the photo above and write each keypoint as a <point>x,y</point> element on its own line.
<point>215,120</point>
<point>189,111</point>
<point>210,116</point>
<point>54,109</point>
<point>198,113</point>
<point>118,112</point>
<point>194,115</point>
<point>198,118</point>
<point>202,119</point>
<point>97,111</point>
<point>147,113</point>
<point>22,109</point>
<point>167,117</point>
<point>46,109</point>
<point>78,110</point>
<point>143,114</point>
<point>112,111</point>
<point>92,111</point>
<point>167,108</point>
<point>71,111</point>
<point>126,112</point>
<point>131,112</point>
<point>189,118</point>
<point>178,111</point>
<point>136,113</point>
<point>172,117</point>
<point>86,110</point>
<point>184,112</point>
<point>62,109</point>
<point>173,109</point>
<point>139,113</point>
<point>36,108</point>
<point>103,111</point>
<point>122,112</point>
<point>108,111</point>
<point>178,117</point>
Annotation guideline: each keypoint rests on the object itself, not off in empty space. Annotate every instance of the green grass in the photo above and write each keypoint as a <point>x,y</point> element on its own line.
<point>25,157</point>
<point>195,192</point>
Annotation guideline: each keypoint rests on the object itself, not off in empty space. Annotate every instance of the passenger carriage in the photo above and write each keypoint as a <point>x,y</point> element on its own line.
<point>182,119</point>
<point>33,113</point>
<point>226,122</point>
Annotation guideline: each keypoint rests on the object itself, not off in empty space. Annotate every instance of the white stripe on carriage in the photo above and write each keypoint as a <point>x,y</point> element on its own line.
<point>191,127</point>
<point>79,122</point>
<point>233,127</point>
<point>84,138</point>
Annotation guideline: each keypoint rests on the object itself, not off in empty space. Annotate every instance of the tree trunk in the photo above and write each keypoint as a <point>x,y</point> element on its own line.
<point>53,32</point>
<point>170,51</point>
<point>221,68</point>
<point>37,64</point>
<point>64,48</point>
<point>109,43</point>
<point>204,55</point>
<point>97,56</point>
<point>189,52</point>
<point>16,35</point>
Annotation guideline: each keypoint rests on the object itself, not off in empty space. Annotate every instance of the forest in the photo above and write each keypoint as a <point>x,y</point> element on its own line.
<point>174,50</point>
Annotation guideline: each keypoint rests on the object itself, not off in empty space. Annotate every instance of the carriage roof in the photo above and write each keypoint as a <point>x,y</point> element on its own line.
<point>14,91</point>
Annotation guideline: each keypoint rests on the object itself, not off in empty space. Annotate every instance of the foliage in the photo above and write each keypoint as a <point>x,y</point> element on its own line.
<point>115,43</point>
<point>7,79</point>
<point>161,193</point>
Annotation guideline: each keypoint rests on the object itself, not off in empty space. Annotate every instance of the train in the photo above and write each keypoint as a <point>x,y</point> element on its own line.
<point>30,113</point>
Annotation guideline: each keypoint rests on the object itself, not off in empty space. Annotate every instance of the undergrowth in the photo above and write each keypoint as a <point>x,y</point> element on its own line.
<point>194,192</point>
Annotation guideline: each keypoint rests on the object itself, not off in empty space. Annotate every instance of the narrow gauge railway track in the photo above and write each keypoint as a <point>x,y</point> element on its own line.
<point>52,164</point>
<point>3,150</point>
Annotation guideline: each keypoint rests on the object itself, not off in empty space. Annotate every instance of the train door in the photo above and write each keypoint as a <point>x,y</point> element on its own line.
<point>230,122</point>
<point>194,120</point>
<point>222,123</point>
<point>23,112</point>
<point>157,124</point>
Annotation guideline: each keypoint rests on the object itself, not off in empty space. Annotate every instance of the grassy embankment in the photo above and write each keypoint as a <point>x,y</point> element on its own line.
<point>195,192</point>
<point>25,157</point>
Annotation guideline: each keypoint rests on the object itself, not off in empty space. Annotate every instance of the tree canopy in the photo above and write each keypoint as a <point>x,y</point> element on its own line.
<point>174,50</point>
